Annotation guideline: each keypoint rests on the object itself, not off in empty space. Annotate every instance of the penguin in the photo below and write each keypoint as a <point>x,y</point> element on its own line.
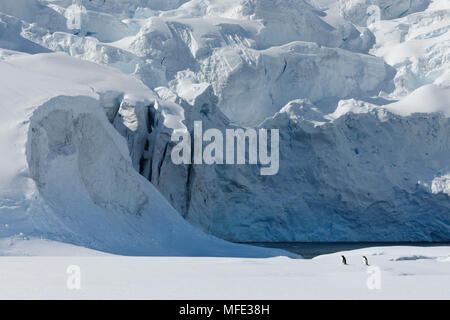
<point>344,261</point>
<point>365,260</point>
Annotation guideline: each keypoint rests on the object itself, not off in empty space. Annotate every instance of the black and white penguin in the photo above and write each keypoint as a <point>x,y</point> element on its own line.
<point>344,261</point>
<point>365,260</point>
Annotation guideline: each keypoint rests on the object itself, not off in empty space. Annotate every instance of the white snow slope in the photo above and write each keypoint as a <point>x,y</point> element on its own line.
<point>363,111</point>
<point>395,273</point>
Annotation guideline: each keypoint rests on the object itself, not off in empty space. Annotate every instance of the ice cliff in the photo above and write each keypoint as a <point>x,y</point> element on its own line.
<point>361,97</point>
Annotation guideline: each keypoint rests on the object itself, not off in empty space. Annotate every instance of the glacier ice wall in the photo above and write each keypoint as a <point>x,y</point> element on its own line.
<point>362,107</point>
<point>359,177</point>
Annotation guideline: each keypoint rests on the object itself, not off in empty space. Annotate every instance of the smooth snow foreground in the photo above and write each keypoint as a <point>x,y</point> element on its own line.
<point>395,273</point>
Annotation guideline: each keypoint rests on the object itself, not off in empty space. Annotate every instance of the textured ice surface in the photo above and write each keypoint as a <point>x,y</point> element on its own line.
<point>362,111</point>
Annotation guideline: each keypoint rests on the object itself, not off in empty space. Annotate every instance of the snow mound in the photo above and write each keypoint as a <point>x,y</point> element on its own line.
<point>426,99</point>
<point>67,174</point>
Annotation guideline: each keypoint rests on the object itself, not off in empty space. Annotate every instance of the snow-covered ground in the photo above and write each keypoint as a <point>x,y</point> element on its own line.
<point>394,273</point>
